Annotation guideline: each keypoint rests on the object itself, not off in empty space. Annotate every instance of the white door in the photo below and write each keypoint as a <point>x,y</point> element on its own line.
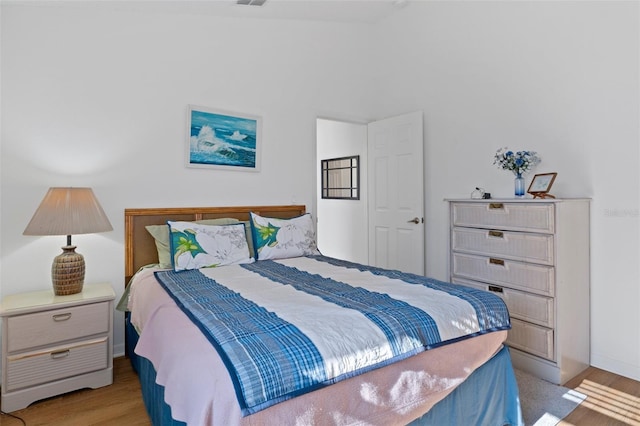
<point>396,193</point>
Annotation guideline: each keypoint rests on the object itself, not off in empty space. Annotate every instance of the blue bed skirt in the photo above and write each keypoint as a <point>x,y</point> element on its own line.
<point>466,405</point>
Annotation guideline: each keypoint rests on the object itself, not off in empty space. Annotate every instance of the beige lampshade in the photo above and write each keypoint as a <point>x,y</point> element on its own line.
<point>68,211</point>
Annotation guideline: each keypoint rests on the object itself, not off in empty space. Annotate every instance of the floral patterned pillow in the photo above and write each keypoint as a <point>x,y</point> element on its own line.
<point>160,234</point>
<point>195,246</point>
<point>282,238</point>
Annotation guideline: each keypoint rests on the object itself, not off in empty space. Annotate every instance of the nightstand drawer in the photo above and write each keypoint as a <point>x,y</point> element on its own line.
<point>512,216</point>
<point>34,368</point>
<point>524,276</point>
<point>529,247</point>
<point>56,326</point>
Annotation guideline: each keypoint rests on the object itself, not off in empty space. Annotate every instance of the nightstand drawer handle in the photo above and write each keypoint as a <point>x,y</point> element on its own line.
<point>494,261</point>
<point>495,289</point>
<point>496,234</point>
<point>496,206</point>
<point>62,317</point>
<point>60,354</point>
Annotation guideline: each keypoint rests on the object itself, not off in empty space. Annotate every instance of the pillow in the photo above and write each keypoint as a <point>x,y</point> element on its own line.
<point>282,238</point>
<point>247,228</point>
<point>160,234</point>
<point>195,245</point>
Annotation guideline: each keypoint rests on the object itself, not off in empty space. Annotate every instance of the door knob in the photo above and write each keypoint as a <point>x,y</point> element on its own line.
<point>414,220</point>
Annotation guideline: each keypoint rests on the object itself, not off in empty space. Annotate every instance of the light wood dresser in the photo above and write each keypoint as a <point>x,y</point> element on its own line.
<point>534,254</point>
<point>55,344</point>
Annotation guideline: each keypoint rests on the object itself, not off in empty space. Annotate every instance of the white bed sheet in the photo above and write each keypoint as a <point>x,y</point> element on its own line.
<point>200,392</point>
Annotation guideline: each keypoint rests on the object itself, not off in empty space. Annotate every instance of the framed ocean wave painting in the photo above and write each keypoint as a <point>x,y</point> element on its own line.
<point>223,140</point>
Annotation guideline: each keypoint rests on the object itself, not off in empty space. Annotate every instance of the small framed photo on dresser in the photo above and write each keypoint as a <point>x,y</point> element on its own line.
<point>541,184</point>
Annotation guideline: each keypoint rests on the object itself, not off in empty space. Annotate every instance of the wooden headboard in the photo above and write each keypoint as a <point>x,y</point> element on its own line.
<point>139,245</point>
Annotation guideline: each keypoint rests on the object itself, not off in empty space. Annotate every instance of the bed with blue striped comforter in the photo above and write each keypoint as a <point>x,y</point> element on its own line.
<point>287,327</point>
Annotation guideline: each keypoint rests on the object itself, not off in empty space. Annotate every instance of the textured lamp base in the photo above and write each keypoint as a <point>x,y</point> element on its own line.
<point>67,272</point>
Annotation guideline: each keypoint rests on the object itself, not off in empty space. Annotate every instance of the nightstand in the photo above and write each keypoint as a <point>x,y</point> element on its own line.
<point>55,344</point>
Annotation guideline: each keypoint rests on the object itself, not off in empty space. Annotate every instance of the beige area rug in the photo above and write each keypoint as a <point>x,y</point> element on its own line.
<point>543,403</point>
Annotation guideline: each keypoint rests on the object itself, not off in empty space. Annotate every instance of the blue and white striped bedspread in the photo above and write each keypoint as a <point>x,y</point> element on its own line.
<point>287,327</point>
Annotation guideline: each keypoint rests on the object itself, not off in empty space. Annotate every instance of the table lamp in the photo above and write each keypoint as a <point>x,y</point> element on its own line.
<point>68,211</point>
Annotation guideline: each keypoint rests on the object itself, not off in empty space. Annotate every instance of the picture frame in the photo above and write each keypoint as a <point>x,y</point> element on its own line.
<point>541,185</point>
<point>224,140</point>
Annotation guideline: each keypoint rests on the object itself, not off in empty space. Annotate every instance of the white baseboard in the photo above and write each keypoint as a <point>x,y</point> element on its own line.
<point>118,350</point>
<point>616,366</point>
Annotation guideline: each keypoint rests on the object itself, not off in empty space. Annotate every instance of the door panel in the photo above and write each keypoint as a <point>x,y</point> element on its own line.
<point>382,245</point>
<point>395,170</point>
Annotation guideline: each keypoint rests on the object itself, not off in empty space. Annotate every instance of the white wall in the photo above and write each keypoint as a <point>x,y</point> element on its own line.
<point>342,224</point>
<point>560,78</point>
<point>99,98</point>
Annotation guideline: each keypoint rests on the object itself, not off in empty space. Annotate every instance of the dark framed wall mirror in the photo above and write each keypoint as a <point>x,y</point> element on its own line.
<point>341,178</point>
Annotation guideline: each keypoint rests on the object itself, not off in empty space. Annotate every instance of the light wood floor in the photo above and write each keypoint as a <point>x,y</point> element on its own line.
<point>611,400</point>
<point>118,404</point>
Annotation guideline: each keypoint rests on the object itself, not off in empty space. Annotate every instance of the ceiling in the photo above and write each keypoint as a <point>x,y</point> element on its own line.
<point>366,11</point>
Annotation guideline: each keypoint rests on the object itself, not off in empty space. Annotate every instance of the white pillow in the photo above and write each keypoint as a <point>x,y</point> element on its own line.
<point>160,234</point>
<point>283,238</point>
<point>195,245</point>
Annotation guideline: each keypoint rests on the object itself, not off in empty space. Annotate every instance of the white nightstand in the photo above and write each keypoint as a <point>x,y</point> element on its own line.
<point>55,344</point>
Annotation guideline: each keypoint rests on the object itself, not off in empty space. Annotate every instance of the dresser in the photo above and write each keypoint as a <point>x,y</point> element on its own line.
<point>55,344</point>
<point>534,254</point>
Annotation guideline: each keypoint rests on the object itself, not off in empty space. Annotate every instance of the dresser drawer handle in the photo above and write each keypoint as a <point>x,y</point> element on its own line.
<point>62,317</point>
<point>60,354</point>
<point>494,261</point>
<point>495,289</point>
<point>496,206</point>
<point>496,234</point>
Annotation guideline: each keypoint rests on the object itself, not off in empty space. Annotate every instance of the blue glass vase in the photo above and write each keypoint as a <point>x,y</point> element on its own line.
<point>519,184</point>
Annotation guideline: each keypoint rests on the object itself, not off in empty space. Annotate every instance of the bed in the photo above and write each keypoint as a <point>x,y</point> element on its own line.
<point>192,355</point>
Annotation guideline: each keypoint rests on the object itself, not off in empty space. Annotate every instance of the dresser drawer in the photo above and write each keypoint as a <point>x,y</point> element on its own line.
<point>525,306</point>
<point>531,217</point>
<point>510,245</point>
<point>55,326</point>
<point>531,338</point>
<point>37,367</point>
<point>523,276</point>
